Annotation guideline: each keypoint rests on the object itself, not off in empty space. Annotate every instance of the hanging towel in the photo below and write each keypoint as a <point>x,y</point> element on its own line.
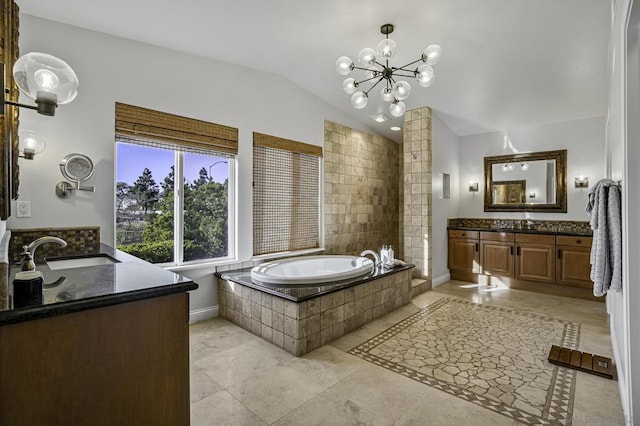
<point>606,250</point>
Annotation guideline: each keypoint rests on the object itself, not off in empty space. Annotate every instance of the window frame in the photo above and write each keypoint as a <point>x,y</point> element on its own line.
<point>178,209</point>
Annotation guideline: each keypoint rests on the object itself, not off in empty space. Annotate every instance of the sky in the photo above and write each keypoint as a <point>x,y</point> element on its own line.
<point>131,160</point>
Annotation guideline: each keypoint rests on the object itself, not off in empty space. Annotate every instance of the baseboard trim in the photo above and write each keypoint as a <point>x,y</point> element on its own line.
<point>203,314</point>
<point>440,280</point>
<point>622,379</point>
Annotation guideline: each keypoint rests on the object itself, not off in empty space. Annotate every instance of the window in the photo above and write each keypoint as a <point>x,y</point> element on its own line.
<point>286,195</point>
<point>174,187</point>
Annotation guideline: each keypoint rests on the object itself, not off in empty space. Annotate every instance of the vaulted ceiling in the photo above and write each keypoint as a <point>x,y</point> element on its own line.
<point>505,63</point>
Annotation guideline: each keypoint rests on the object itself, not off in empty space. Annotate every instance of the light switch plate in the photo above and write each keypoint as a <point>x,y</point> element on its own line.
<point>23,209</point>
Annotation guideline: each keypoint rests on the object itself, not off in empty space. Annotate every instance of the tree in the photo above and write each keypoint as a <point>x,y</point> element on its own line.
<point>145,190</point>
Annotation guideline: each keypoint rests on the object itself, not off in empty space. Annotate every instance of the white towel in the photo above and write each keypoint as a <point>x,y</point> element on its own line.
<point>606,250</point>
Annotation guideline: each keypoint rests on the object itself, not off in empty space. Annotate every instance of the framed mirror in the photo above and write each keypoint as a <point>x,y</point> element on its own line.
<point>530,182</point>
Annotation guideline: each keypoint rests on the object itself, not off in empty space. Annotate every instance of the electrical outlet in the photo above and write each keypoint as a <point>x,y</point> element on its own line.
<point>24,209</point>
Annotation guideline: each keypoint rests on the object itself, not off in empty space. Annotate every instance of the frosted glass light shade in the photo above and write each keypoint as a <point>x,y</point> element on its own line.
<point>45,78</point>
<point>31,143</point>
<point>387,94</point>
<point>349,86</point>
<point>344,65</point>
<point>397,108</point>
<point>359,100</point>
<point>402,90</point>
<point>431,54</point>
<point>424,73</point>
<point>367,56</point>
<point>386,49</point>
<point>372,72</point>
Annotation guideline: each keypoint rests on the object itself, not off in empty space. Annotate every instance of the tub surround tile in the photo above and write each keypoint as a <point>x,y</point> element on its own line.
<point>302,327</point>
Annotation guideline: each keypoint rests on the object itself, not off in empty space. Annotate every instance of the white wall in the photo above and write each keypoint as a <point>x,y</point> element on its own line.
<point>623,157</point>
<point>583,139</point>
<point>113,69</point>
<point>444,159</point>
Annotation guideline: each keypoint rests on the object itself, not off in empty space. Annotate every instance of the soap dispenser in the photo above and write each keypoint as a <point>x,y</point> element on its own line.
<point>26,262</point>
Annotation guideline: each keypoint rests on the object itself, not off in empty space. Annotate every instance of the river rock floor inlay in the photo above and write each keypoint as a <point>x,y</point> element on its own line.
<point>490,356</point>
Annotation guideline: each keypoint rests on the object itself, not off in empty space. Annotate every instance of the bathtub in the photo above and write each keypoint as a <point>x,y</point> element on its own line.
<point>311,270</point>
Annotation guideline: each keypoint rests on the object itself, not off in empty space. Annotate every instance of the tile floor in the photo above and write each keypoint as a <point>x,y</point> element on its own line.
<point>239,379</point>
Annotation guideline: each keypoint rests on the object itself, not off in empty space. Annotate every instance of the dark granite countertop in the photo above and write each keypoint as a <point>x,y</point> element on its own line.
<point>521,231</point>
<point>300,294</point>
<point>78,289</point>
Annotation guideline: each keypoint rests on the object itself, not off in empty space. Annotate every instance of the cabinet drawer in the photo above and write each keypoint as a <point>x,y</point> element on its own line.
<point>562,240</point>
<point>536,238</point>
<point>457,233</point>
<point>497,236</point>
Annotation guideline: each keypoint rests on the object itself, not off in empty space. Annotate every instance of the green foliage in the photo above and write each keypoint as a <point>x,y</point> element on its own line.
<point>145,218</point>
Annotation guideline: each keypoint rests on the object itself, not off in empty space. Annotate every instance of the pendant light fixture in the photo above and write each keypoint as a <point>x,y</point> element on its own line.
<point>375,64</point>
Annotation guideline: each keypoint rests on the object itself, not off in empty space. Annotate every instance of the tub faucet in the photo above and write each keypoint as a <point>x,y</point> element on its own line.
<point>28,252</point>
<point>375,255</point>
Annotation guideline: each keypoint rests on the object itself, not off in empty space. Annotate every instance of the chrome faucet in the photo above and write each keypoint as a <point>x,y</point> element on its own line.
<point>29,252</point>
<point>375,255</point>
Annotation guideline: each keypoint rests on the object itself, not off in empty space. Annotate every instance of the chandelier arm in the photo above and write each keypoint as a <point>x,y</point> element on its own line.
<point>363,69</point>
<point>408,65</point>
<point>411,74</point>
<point>365,80</point>
<point>374,85</point>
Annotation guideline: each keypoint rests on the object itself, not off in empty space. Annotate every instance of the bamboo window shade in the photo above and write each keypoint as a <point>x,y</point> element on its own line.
<point>286,195</point>
<point>171,131</point>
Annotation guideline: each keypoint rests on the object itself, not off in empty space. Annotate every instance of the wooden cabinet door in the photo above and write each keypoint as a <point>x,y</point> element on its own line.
<point>496,258</point>
<point>535,262</point>
<point>463,255</point>
<point>573,266</point>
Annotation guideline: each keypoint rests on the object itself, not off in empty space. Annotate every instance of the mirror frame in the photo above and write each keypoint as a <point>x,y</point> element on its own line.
<point>9,32</point>
<point>560,206</point>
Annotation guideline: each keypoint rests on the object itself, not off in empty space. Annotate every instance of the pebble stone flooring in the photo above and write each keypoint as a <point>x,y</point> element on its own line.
<point>239,379</point>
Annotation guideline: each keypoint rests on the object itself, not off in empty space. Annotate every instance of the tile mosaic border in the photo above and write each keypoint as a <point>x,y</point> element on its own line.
<point>559,407</point>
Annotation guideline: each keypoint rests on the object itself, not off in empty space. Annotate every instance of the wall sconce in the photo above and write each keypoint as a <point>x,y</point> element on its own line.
<point>524,167</point>
<point>532,195</point>
<point>581,182</point>
<point>44,78</point>
<point>31,144</point>
<point>473,186</point>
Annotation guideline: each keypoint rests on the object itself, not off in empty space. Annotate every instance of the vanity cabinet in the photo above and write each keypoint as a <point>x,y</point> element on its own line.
<point>496,253</point>
<point>572,264</point>
<point>535,258</point>
<point>464,252</point>
<point>553,264</point>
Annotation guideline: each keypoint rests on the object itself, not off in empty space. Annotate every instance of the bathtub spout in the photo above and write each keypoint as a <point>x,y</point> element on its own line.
<point>375,255</point>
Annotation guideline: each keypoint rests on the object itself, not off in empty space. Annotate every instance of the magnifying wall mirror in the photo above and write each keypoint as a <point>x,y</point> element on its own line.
<point>531,182</point>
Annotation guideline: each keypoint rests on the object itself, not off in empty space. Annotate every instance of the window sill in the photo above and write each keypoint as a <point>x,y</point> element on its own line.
<point>199,265</point>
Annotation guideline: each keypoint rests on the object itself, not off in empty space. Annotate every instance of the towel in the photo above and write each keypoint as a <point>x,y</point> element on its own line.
<point>606,250</point>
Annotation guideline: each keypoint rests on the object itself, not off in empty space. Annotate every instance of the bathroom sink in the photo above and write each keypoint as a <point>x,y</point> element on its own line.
<point>80,261</point>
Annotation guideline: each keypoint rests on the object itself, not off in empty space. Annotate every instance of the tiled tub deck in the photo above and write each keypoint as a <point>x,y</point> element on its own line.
<point>300,320</point>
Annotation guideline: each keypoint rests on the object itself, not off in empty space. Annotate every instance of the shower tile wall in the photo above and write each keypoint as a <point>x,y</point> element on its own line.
<point>361,175</point>
<point>416,193</point>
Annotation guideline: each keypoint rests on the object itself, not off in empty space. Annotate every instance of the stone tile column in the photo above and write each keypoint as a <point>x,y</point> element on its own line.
<point>415,188</point>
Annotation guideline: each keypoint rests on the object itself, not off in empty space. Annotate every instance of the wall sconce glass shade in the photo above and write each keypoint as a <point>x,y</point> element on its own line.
<point>524,167</point>
<point>46,79</point>
<point>473,186</point>
<point>31,144</point>
<point>581,182</point>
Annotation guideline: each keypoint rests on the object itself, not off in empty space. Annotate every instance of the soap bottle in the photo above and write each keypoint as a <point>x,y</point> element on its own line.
<point>384,254</point>
<point>390,256</point>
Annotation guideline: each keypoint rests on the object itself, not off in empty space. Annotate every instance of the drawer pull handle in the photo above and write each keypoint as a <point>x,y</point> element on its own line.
<point>559,254</point>
<point>511,250</point>
<point>518,251</point>
<point>464,235</point>
<point>578,241</point>
<point>476,246</point>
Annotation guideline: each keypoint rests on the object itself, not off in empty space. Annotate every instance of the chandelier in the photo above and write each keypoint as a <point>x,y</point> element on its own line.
<point>377,70</point>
